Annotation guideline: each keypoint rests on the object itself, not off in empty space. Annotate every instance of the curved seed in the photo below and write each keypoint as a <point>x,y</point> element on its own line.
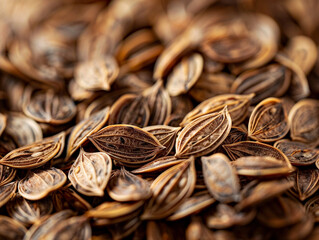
<point>97,74</point>
<point>39,183</point>
<point>50,107</point>
<point>185,74</point>
<point>298,153</point>
<point>28,212</point>
<point>312,207</point>
<point>90,173</point>
<point>130,109</point>
<point>204,134</point>
<point>7,174</point>
<point>159,103</point>
<point>158,164</point>
<point>166,135</point>
<point>35,154</point>
<point>170,189</point>
<point>127,144</point>
<point>220,178</point>
<point>237,106</point>
<point>11,229</point>
<point>269,121</point>
<point>7,191</point>
<point>124,187</point>
<point>86,128</point>
<point>304,121</point>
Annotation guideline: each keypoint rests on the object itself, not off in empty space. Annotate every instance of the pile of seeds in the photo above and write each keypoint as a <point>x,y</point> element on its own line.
<point>180,119</point>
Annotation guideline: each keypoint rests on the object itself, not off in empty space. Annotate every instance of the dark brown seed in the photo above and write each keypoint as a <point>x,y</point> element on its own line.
<point>158,165</point>
<point>304,121</point>
<point>130,109</point>
<point>125,186</point>
<point>269,81</point>
<point>49,107</point>
<point>220,178</point>
<point>298,153</point>
<point>312,207</point>
<point>269,121</point>
<point>35,154</point>
<point>127,144</point>
<point>204,134</point>
<point>7,174</point>
<point>39,183</point>
<point>306,183</point>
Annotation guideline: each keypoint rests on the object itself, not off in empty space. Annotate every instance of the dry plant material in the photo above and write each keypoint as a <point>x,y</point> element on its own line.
<point>39,183</point>
<point>127,144</point>
<point>220,178</point>
<point>172,119</point>
<point>90,173</point>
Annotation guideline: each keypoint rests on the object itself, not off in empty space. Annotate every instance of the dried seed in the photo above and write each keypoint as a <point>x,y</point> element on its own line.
<point>166,135</point>
<point>304,121</point>
<point>35,154</point>
<point>127,144</point>
<point>269,121</point>
<point>124,187</point>
<point>237,106</point>
<point>39,183</point>
<point>7,191</point>
<point>312,207</point>
<point>97,74</point>
<point>185,74</point>
<point>130,109</point>
<point>220,178</point>
<point>86,128</point>
<point>7,174</point>
<point>11,229</point>
<point>50,107</point>
<point>90,173</point>
<point>204,134</point>
<point>170,189</point>
<point>158,164</point>
<point>298,153</point>
<point>28,212</point>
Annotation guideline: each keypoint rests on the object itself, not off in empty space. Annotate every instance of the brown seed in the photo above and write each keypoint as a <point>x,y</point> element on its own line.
<point>28,212</point>
<point>249,148</point>
<point>298,153</point>
<point>158,164</point>
<point>258,192</point>
<point>166,135</point>
<point>7,191</point>
<point>306,182</point>
<point>97,74</point>
<point>39,183</point>
<point>11,229</point>
<point>270,81</point>
<point>237,106</point>
<point>312,207</point>
<point>125,186</point>
<point>127,144</point>
<point>261,166</point>
<point>185,75</point>
<point>7,174</point>
<point>35,154</point>
<point>159,103</point>
<point>170,189</point>
<point>269,121</point>
<point>86,128</point>
<point>304,121</point>
<point>90,173</point>
<point>220,178</point>
<point>50,107</point>
<point>193,204</point>
<point>204,134</point>
<point>130,109</point>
